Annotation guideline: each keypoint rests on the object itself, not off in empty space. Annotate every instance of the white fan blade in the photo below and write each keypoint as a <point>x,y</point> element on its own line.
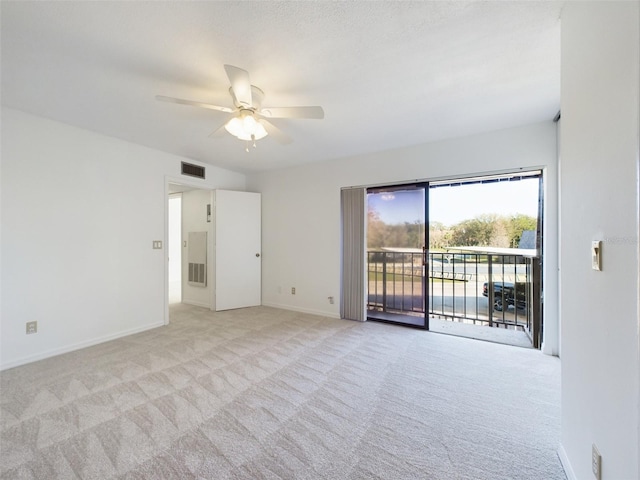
<point>293,112</point>
<point>240,84</point>
<point>275,132</point>
<point>194,104</point>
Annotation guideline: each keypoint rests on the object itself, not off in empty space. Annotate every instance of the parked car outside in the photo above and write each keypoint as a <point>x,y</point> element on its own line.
<point>505,295</point>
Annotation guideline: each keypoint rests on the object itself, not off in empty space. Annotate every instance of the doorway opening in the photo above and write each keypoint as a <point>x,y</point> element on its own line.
<point>458,256</point>
<point>213,242</point>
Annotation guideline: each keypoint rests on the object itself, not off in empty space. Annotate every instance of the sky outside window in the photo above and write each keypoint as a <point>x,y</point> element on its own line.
<point>403,206</point>
<point>451,205</point>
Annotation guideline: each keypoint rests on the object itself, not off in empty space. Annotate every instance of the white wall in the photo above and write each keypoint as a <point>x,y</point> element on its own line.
<point>194,219</point>
<point>301,208</point>
<point>79,214</point>
<point>599,201</point>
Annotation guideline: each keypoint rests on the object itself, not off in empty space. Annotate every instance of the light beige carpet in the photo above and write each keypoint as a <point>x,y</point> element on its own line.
<point>269,394</point>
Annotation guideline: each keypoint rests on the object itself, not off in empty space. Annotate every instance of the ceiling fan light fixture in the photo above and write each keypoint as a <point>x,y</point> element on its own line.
<point>246,127</point>
<point>249,120</point>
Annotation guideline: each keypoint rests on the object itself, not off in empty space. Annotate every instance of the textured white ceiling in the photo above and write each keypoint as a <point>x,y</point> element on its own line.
<point>388,74</point>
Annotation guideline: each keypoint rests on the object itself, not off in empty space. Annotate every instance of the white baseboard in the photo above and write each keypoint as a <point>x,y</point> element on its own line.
<point>196,303</point>
<point>293,308</point>
<point>77,346</point>
<point>566,464</point>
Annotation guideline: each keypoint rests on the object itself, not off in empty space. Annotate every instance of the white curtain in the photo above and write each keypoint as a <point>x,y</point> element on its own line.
<point>353,262</point>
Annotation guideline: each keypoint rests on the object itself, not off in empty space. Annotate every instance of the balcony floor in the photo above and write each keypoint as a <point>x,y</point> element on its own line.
<point>505,336</point>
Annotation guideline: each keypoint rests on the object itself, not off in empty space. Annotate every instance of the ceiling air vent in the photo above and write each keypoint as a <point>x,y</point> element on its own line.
<point>192,170</point>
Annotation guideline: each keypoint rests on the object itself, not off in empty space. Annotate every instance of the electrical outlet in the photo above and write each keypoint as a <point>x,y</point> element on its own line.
<point>330,300</point>
<point>596,462</point>
<point>32,327</point>
<point>293,290</point>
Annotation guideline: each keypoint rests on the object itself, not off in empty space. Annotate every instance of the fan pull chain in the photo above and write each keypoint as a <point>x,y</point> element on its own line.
<point>253,139</point>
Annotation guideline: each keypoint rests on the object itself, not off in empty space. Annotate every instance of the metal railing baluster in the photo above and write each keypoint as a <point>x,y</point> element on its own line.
<point>510,287</point>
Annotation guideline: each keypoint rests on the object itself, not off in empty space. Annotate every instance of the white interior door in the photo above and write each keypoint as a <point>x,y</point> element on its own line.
<point>237,249</point>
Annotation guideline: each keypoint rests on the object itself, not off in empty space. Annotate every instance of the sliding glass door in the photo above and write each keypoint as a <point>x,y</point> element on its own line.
<point>455,256</point>
<point>397,240</point>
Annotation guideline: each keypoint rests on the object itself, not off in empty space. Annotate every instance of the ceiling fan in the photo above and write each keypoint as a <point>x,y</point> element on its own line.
<point>248,119</point>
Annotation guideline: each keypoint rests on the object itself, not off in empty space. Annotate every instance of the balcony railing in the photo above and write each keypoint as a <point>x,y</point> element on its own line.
<point>461,287</point>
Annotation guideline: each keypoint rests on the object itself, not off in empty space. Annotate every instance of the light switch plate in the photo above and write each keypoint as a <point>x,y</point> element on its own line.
<point>596,462</point>
<point>157,244</point>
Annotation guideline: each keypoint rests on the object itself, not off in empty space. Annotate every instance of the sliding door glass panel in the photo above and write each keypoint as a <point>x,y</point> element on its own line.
<point>396,239</point>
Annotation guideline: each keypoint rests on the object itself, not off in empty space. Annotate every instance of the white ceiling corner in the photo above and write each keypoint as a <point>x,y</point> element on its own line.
<point>388,74</point>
